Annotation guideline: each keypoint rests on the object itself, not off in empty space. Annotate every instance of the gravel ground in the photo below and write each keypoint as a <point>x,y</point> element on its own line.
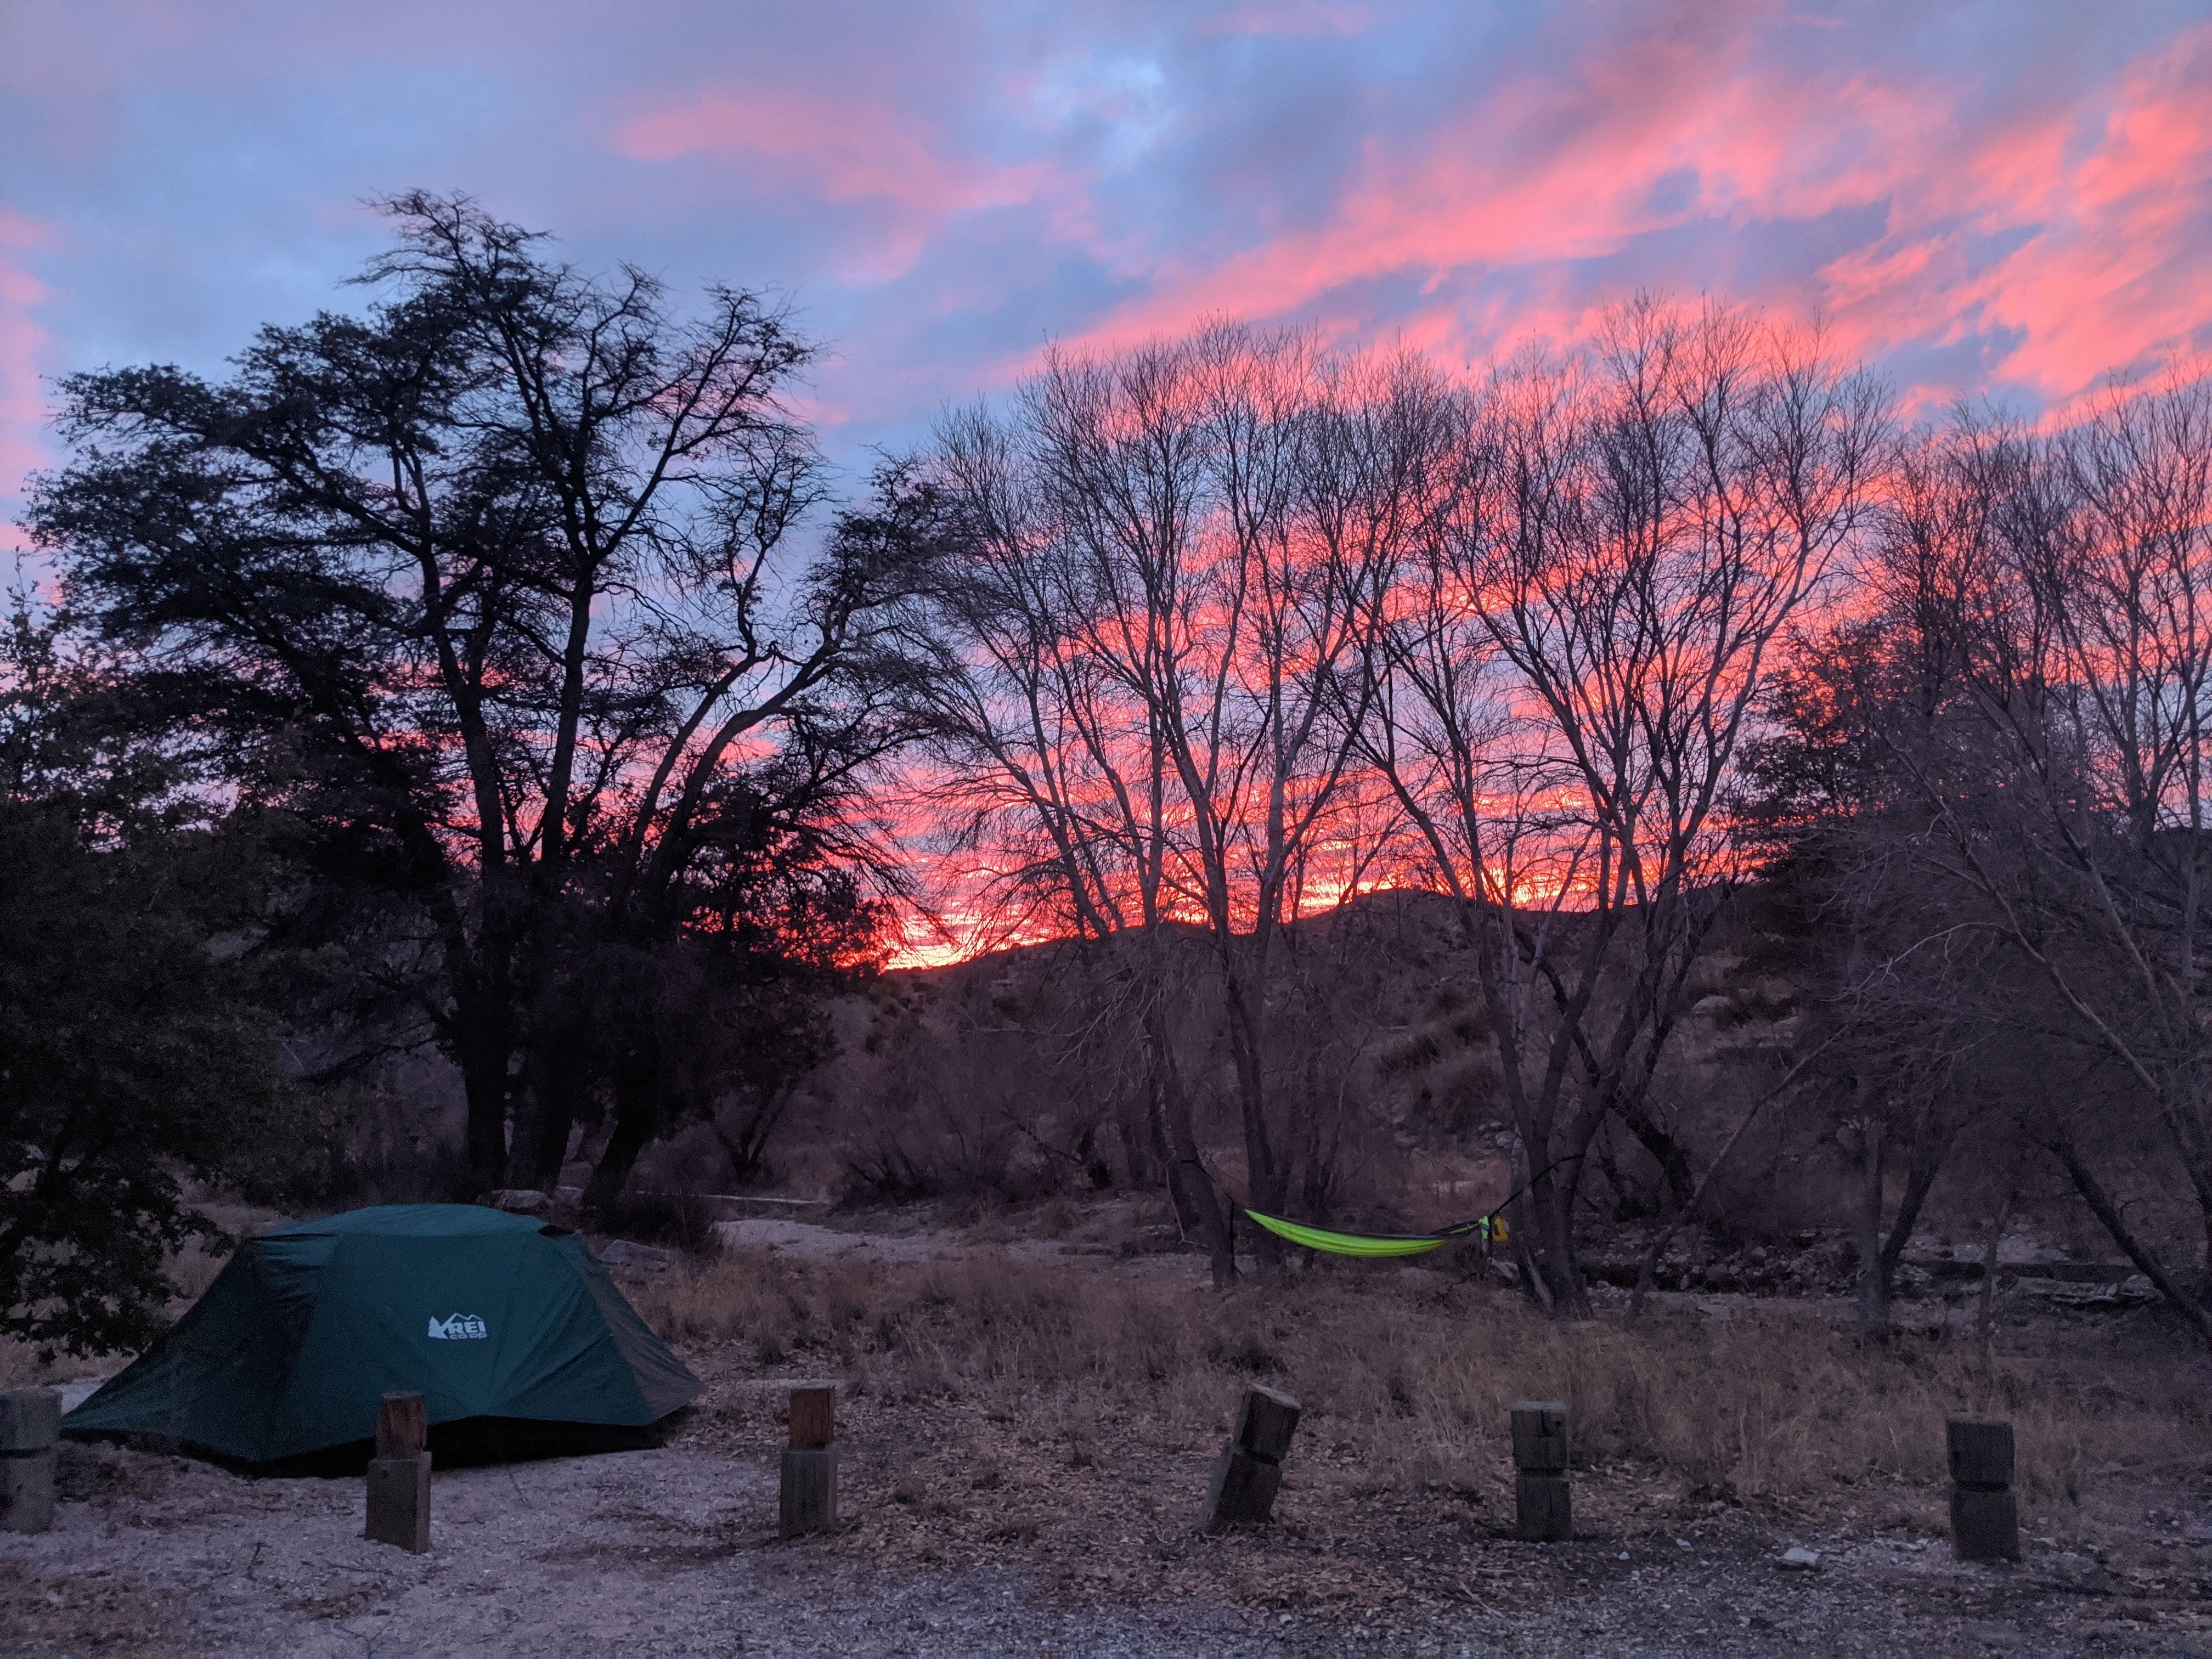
<point>664,1554</point>
<point>670,1554</point>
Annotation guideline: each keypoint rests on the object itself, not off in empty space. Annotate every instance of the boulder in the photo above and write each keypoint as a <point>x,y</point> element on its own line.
<point>638,1258</point>
<point>516,1201</point>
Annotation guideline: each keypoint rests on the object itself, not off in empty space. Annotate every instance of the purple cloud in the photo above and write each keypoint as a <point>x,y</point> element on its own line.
<point>1985,198</point>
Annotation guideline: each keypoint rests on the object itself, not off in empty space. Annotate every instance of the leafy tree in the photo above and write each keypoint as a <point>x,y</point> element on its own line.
<point>132,1053</point>
<point>492,589</point>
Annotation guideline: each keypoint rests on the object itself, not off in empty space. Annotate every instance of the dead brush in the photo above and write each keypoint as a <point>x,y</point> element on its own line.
<point>1412,1378</point>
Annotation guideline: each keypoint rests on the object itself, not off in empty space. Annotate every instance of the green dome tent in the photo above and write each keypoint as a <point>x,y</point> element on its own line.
<point>510,1330</point>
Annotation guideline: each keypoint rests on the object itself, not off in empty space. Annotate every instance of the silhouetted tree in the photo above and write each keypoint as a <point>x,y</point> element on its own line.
<point>133,1052</point>
<point>492,588</point>
<point>1571,663</point>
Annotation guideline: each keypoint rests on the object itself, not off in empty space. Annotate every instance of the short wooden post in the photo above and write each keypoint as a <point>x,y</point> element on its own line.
<point>1984,1515</point>
<point>807,1497</point>
<point>399,1475</point>
<point>813,1415</point>
<point>1541,1500</point>
<point>1249,1471</point>
<point>30,1426</point>
<point>403,1426</point>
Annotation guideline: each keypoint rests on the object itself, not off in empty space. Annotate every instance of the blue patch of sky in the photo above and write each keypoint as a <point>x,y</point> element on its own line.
<point>1937,372</point>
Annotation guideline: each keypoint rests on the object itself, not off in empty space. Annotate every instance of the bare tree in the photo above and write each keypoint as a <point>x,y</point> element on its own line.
<point>1224,598</point>
<point>1172,565</point>
<point>1042,768</point>
<point>1569,675</point>
<point>2062,775</point>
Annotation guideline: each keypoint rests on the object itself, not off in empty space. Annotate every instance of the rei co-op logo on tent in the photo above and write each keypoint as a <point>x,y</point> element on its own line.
<point>460,1328</point>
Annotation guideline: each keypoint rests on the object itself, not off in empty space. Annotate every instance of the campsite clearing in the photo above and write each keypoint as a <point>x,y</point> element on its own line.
<point>672,1554</point>
<point>1025,1449</point>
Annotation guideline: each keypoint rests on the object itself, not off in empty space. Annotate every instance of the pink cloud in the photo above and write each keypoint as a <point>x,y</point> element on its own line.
<point>1551,168</point>
<point>2114,280</point>
<point>901,187</point>
<point>848,151</point>
<point>2105,214</point>
<point>1980,199</point>
<point>2104,205</point>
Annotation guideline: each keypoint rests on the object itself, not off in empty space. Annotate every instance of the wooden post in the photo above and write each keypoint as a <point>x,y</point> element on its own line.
<point>813,1416</point>
<point>1249,1471</point>
<point>399,1475</point>
<point>403,1426</point>
<point>1984,1515</point>
<point>399,1502</point>
<point>807,1496</point>
<point>30,1426</point>
<point>1540,1501</point>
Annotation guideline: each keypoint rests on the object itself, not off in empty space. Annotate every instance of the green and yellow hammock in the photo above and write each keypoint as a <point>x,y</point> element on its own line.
<point>1491,1229</point>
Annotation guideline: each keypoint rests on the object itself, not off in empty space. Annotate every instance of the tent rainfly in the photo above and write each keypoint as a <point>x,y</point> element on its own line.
<point>495,1319</point>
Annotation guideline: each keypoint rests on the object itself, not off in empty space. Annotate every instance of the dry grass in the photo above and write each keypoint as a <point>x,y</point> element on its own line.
<point>1407,1378</point>
<point>1064,1418</point>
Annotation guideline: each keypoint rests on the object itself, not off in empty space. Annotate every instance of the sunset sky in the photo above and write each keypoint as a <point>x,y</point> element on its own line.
<point>2003,199</point>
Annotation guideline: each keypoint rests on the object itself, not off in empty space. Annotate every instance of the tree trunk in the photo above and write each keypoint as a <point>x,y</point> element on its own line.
<point>1195,1194</point>
<point>1667,1153</point>
<point>1263,1173</point>
<point>482,1056</point>
<point>1874,1282</point>
<point>1155,1116</point>
<point>1139,1127</point>
<point>1198,1205</point>
<point>637,1112</point>
<point>747,1150</point>
<point>559,1077</point>
<point>2107,1210</point>
<point>557,1122</point>
<point>1920,1171</point>
<point>1522,1218</point>
<point>1632,1199</point>
<point>1317,1153</point>
<point>1139,1123</point>
<point>1545,1242</point>
<point>1551,1201</point>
